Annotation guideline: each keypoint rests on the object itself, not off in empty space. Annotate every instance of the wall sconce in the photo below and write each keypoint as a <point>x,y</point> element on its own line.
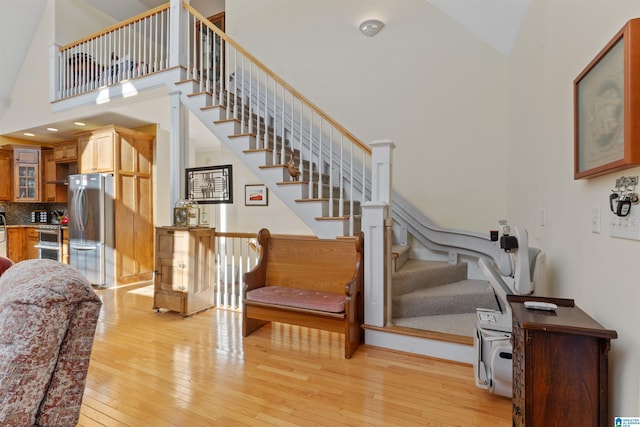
<point>371,27</point>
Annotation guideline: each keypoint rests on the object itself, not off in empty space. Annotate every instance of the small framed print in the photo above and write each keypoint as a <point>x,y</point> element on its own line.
<point>606,104</point>
<point>256,195</point>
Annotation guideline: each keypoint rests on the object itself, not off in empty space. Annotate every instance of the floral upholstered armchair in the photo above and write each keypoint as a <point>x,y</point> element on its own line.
<point>48,317</point>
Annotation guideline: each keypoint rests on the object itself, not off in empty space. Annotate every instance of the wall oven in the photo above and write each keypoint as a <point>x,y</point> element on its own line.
<point>49,242</point>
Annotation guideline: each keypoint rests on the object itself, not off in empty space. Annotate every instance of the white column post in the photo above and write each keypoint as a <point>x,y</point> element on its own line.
<point>373,215</point>
<point>178,140</point>
<point>54,73</point>
<point>178,28</point>
<point>376,215</point>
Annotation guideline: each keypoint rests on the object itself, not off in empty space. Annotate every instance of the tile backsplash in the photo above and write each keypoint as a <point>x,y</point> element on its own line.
<point>20,213</point>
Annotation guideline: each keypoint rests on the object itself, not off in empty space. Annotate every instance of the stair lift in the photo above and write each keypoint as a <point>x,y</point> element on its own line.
<point>492,361</point>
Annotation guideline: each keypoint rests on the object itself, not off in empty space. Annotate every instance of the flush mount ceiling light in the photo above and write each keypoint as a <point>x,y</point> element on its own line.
<point>371,27</point>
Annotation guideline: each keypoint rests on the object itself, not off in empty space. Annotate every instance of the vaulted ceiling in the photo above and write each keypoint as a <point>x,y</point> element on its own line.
<point>497,22</point>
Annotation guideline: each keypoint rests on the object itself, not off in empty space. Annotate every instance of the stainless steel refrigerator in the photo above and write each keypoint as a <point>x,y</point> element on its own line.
<point>91,227</point>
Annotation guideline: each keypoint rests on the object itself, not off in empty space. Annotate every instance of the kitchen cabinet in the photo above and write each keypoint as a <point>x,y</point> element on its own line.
<point>184,260</point>
<point>15,244</point>
<point>55,177</point>
<point>560,365</point>
<point>128,154</point>
<point>26,174</point>
<point>21,243</point>
<point>16,249</point>
<point>66,152</point>
<point>31,237</point>
<point>6,162</point>
<point>96,150</point>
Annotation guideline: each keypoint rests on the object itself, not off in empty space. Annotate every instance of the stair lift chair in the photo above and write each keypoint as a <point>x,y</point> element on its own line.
<point>492,340</point>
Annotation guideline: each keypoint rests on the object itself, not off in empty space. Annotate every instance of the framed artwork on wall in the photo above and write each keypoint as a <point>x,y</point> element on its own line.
<point>606,105</point>
<point>209,184</point>
<point>256,195</point>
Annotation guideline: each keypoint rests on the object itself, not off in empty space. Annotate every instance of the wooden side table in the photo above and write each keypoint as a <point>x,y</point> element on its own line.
<point>560,365</point>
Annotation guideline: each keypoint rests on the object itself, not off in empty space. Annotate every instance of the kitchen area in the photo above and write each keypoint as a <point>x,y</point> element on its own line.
<point>33,231</point>
<point>33,203</point>
<point>62,202</point>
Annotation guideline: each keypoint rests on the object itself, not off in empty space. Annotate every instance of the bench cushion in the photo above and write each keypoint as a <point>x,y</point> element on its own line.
<point>299,298</point>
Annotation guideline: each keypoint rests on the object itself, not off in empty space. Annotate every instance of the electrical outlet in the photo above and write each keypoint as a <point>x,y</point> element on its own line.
<point>595,219</point>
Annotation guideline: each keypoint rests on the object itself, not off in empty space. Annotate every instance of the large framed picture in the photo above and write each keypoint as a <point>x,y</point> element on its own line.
<point>256,195</point>
<point>606,107</point>
<point>209,184</point>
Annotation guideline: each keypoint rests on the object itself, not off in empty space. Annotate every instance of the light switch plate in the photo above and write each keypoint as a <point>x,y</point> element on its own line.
<point>626,227</point>
<point>595,219</point>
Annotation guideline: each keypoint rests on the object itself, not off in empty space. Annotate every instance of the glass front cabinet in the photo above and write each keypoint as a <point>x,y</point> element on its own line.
<point>26,169</point>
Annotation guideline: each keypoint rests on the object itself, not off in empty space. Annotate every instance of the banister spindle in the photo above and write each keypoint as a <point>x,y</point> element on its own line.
<point>341,178</point>
<point>331,200</point>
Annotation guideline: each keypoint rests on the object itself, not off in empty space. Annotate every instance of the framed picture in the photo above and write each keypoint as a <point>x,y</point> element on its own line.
<point>606,104</point>
<point>256,195</point>
<point>209,184</point>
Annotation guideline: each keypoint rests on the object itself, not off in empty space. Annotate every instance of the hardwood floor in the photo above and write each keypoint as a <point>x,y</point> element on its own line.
<point>159,369</point>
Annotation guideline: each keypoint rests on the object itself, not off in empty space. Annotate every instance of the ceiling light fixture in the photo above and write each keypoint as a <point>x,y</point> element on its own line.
<point>52,129</point>
<point>29,134</point>
<point>371,27</point>
<point>79,124</point>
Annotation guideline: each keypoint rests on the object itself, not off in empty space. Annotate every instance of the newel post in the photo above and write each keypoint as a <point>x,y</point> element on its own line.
<point>376,215</point>
<point>178,35</point>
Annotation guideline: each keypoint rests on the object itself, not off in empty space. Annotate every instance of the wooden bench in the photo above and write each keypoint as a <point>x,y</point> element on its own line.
<point>306,281</point>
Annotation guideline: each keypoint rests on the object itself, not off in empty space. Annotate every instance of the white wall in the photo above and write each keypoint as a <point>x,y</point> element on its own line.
<point>276,216</point>
<point>558,40</point>
<point>424,82</point>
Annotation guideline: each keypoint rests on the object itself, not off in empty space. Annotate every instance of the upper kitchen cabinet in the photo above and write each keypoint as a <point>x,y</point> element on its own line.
<point>56,176</point>
<point>96,150</point>
<point>5,175</point>
<point>66,152</point>
<point>26,174</point>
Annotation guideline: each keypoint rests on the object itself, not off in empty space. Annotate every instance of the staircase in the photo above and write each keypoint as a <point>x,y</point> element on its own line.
<point>436,295</point>
<point>263,120</point>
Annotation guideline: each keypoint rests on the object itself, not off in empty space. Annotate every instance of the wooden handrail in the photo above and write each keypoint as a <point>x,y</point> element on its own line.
<point>114,27</point>
<point>277,78</point>
<point>236,234</point>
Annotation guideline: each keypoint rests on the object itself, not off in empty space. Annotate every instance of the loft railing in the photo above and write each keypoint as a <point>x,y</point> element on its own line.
<point>136,47</point>
<point>330,160</point>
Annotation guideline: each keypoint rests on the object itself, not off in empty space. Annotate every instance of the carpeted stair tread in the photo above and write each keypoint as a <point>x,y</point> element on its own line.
<point>463,296</point>
<point>419,274</point>
<point>457,324</point>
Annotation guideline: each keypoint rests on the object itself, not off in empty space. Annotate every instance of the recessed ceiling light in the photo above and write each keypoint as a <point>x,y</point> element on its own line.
<point>29,134</point>
<point>79,124</point>
<point>52,129</point>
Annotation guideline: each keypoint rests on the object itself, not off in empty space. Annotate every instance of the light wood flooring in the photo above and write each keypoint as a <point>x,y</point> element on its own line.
<point>159,369</point>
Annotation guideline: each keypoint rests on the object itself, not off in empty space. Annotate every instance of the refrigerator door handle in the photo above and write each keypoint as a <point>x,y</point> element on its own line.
<point>80,206</point>
<point>83,246</point>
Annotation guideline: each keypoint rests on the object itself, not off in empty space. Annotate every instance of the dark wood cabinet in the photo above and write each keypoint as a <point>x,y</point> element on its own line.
<point>560,366</point>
